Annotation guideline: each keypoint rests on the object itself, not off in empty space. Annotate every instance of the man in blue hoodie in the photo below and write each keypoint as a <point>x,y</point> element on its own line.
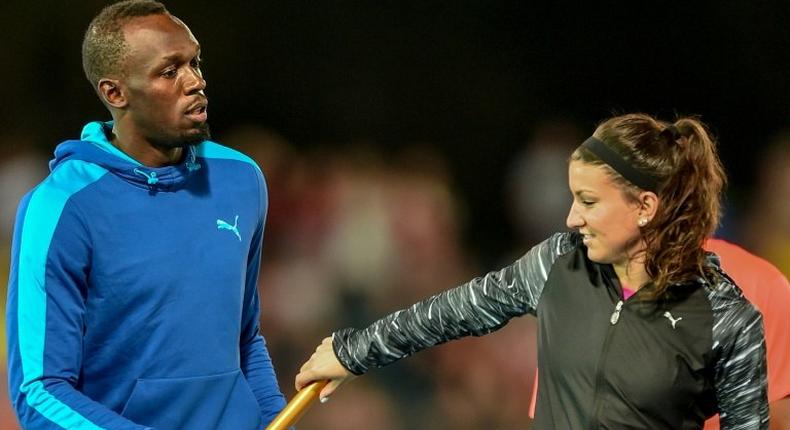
<point>132,298</point>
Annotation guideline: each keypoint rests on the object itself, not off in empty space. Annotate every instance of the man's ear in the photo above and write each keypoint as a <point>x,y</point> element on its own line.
<point>111,93</point>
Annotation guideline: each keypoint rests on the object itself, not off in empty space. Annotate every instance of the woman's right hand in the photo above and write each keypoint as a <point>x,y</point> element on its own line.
<point>323,365</point>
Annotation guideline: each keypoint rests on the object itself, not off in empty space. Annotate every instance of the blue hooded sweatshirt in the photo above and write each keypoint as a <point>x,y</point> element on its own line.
<point>132,299</point>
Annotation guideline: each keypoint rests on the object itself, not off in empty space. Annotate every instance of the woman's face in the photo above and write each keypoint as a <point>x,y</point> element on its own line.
<point>603,215</point>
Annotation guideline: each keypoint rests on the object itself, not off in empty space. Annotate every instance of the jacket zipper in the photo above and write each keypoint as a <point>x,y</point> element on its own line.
<point>599,379</point>
<point>616,314</point>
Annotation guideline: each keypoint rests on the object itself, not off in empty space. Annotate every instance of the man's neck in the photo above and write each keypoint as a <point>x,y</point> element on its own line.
<point>144,151</point>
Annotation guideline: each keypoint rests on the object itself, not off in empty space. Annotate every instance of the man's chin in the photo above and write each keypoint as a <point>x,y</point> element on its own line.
<point>188,138</point>
<point>197,135</point>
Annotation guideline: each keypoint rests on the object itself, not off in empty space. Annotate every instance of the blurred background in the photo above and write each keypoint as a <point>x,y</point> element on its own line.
<point>409,146</point>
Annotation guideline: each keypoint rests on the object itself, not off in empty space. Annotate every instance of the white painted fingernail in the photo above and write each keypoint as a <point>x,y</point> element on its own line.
<point>324,399</point>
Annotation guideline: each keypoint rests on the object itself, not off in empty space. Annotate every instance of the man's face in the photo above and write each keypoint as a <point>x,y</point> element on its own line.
<point>163,82</point>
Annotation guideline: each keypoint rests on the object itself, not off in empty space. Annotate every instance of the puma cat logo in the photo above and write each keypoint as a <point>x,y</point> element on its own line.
<point>672,320</point>
<point>223,225</point>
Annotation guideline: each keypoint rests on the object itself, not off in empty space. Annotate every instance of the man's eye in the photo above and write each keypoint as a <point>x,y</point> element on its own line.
<point>169,73</point>
<point>587,202</point>
<point>196,63</point>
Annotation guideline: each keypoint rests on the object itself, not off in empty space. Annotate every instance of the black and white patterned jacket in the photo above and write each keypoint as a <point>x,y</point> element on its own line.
<point>605,362</point>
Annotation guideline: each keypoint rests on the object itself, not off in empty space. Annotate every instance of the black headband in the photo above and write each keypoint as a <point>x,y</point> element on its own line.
<point>633,175</point>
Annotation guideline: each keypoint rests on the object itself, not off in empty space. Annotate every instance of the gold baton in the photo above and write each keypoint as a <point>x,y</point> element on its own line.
<point>300,403</point>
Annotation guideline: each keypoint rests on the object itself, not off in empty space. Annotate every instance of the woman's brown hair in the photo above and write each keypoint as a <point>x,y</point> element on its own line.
<point>682,158</point>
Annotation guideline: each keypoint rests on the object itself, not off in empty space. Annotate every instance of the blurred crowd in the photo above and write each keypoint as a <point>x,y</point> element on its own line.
<point>353,234</point>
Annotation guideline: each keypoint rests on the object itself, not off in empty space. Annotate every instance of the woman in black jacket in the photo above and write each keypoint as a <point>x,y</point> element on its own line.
<point>637,326</point>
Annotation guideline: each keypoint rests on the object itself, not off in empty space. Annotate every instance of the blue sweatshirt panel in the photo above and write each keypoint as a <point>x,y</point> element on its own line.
<point>134,304</point>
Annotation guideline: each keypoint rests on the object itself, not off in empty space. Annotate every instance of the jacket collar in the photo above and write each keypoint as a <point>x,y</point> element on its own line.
<point>167,178</point>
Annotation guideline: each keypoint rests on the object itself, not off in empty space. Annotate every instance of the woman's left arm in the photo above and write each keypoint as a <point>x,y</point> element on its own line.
<point>740,371</point>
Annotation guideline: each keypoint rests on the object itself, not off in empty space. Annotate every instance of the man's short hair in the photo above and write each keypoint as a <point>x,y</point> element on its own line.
<point>104,45</point>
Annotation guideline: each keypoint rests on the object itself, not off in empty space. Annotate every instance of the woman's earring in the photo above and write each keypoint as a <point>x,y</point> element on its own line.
<point>642,222</point>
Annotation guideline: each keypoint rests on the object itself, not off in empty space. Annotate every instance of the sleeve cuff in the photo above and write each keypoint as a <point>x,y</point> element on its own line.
<point>340,341</point>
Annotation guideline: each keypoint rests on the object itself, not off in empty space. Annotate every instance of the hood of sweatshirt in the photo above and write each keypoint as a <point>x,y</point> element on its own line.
<point>94,147</point>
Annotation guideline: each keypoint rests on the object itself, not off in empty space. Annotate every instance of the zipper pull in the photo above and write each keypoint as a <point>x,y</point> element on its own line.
<point>616,313</point>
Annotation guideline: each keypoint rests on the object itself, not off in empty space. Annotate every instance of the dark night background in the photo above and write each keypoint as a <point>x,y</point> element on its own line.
<point>469,78</point>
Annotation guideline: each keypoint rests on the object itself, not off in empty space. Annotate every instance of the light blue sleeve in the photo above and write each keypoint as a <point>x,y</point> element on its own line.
<point>255,361</point>
<point>46,309</point>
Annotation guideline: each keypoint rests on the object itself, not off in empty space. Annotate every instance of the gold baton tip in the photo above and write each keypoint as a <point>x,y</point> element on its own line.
<point>298,405</point>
